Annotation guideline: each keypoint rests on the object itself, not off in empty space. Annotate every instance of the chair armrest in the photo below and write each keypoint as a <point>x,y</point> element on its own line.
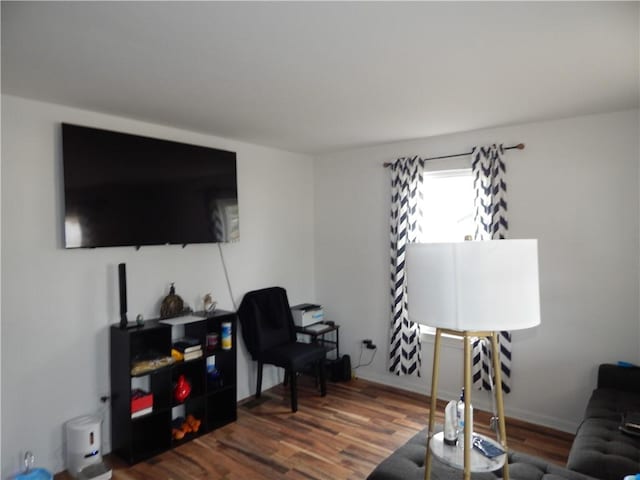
<point>619,378</point>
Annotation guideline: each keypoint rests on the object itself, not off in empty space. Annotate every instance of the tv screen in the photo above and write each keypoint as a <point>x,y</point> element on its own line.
<point>128,190</point>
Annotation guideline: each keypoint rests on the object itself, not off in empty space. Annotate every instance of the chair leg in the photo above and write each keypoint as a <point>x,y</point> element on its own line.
<point>286,377</point>
<point>259,384</point>
<point>294,391</point>
<point>323,379</point>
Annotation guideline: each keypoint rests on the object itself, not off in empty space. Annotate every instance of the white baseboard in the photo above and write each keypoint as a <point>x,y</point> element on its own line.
<point>414,384</point>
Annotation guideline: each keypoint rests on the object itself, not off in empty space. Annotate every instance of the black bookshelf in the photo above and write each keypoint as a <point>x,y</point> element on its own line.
<point>212,402</point>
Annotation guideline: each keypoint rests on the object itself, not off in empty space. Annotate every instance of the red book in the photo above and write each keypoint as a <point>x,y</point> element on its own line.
<point>141,400</point>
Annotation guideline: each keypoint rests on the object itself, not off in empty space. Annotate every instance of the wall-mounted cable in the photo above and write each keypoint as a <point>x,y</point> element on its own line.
<point>366,345</point>
<point>226,276</point>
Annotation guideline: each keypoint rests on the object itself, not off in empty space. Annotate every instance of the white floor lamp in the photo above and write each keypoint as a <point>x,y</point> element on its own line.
<point>473,289</point>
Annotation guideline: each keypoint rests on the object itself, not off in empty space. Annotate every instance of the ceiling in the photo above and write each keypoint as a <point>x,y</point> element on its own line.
<point>315,77</point>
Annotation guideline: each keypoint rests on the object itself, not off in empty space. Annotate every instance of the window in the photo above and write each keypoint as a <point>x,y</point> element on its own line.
<point>447,209</point>
<point>447,205</point>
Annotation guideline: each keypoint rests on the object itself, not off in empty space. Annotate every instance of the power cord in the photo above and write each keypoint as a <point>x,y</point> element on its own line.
<point>368,345</point>
<point>226,276</point>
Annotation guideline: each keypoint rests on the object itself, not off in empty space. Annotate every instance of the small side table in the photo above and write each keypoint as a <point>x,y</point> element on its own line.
<point>453,455</point>
<point>318,332</point>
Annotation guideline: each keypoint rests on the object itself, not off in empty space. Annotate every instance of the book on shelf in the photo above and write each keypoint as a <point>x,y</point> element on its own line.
<point>187,344</point>
<point>142,412</point>
<point>193,355</point>
<point>141,401</point>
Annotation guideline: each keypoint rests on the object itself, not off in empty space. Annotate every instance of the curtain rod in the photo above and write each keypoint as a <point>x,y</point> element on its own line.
<point>519,146</point>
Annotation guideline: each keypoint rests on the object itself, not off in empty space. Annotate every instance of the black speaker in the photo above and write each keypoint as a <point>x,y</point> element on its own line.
<point>340,369</point>
<point>122,283</point>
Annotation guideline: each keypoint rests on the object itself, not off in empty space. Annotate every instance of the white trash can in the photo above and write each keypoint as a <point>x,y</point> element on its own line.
<point>84,448</point>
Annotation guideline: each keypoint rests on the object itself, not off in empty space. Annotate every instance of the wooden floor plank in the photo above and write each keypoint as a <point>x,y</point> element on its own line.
<point>341,436</point>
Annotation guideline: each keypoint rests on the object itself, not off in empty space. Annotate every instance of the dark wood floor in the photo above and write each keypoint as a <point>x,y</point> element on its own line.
<point>341,436</point>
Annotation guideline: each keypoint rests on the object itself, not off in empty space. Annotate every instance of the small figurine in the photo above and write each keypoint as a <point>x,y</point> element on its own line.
<point>209,303</point>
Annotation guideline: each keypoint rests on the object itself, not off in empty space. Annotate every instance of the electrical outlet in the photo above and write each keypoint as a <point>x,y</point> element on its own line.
<point>371,346</point>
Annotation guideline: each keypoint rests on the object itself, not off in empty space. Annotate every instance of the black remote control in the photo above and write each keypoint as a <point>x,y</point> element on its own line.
<point>487,448</point>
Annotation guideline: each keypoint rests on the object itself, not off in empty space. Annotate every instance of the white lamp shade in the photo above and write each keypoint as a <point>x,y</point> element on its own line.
<point>474,286</point>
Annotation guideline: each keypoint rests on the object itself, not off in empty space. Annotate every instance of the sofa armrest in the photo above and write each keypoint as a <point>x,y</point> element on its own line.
<point>619,378</point>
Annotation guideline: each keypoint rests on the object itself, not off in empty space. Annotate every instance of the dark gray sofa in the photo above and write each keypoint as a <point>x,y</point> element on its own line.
<point>599,451</point>
<point>407,463</point>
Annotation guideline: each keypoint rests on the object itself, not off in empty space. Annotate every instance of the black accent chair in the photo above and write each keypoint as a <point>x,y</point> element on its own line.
<point>270,337</point>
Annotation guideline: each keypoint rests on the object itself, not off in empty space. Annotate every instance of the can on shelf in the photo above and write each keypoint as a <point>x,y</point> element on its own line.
<point>226,335</point>
<point>212,341</point>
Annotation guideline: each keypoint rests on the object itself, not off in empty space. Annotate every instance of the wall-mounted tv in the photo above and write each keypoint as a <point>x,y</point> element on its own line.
<point>129,190</point>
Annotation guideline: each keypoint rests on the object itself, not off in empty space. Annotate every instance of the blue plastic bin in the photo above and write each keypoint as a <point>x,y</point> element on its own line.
<point>35,474</point>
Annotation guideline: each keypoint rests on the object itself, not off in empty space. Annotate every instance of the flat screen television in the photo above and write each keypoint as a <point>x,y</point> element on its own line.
<point>129,190</point>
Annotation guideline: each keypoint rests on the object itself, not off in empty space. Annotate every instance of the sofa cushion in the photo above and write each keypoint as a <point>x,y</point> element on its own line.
<point>611,404</point>
<point>617,377</point>
<point>407,463</point>
<point>601,450</point>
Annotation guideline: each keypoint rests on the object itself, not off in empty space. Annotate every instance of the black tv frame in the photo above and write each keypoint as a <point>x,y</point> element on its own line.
<point>122,189</point>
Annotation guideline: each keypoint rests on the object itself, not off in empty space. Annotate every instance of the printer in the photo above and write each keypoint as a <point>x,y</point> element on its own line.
<point>306,314</point>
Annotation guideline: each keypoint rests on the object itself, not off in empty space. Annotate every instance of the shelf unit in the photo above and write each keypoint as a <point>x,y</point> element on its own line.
<point>312,335</point>
<point>214,403</point>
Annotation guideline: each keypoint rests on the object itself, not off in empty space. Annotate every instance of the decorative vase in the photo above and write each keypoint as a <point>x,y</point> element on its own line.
<point>182,389</point>
<point>172,304</point>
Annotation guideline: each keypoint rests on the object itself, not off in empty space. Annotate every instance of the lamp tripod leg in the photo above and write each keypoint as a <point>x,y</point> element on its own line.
<point>432,410</point>
<point>467,407</point>
<point>497,369</point>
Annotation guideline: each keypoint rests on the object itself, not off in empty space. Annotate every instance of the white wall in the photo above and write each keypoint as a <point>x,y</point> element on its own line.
<point>58,304</point>
<point>574,187</point>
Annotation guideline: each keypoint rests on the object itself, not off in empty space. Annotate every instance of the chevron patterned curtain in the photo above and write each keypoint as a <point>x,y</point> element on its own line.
<point>406,177</point>
<point>490,218</point>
